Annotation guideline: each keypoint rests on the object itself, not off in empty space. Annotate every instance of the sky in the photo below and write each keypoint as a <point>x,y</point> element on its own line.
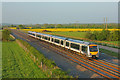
<point>59,12</point>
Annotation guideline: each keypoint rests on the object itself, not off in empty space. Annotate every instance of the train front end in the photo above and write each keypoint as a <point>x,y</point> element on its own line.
<point>93,51</point>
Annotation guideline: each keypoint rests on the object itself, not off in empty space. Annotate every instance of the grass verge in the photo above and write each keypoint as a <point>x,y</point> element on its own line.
<point>16,64</point>
<point>26,62</point>
<point>48,66</point>
<point>0,60</point>
<point>109,52</point>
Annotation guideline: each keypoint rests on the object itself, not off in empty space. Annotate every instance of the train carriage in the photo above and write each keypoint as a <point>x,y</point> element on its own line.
<point>58,40</point>
<point>86,48</point>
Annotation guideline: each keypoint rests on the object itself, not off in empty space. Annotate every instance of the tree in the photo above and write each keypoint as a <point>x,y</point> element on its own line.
<point>6,35</point>
<point>115,36</point>
<point>59,25</point>
<point>21,27</point>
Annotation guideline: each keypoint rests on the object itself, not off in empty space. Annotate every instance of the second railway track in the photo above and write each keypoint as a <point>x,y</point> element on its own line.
<point>105,69</point>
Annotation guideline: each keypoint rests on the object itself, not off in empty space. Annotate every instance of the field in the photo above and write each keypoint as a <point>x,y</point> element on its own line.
<point>69,34</point>
<point>62,29</point>
<point>76,35</point>
<point>17,64</point>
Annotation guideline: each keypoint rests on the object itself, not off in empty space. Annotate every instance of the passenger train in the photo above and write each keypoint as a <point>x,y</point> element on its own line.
<point>90,50</point>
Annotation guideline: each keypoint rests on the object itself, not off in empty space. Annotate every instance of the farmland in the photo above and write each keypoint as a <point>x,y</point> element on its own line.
<point>69,34</point>
<point>68,29</point>
<point>77,35</point>
<point>72,33</point>
<point>17,64</point>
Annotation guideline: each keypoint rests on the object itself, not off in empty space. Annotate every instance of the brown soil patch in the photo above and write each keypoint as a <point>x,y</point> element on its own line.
<point>94,76</point>
<point>81,68</point>
<point>115,60</point>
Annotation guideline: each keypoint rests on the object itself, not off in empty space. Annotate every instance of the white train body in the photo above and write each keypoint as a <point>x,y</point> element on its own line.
<point>86,48</point>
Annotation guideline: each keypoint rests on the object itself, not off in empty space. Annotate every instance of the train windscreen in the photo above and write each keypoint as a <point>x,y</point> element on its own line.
<point>93,48</point>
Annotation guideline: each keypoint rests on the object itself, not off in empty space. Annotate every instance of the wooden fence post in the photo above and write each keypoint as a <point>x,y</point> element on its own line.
<point>41,64</point>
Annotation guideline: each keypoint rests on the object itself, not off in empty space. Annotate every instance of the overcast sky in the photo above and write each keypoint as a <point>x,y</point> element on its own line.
<point>59,12</point>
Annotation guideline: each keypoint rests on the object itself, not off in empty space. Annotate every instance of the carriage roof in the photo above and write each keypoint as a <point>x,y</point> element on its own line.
<point>68,39</point>
<point>59,37</point>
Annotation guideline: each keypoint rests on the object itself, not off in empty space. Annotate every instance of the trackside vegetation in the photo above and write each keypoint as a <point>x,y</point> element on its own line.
<point>21,60</point>
<point>48,66</point>
<point>16,64</point>
<point>104,35</point>
<point>0,60</point>
<point>109,52</point>
<point>6,35</point>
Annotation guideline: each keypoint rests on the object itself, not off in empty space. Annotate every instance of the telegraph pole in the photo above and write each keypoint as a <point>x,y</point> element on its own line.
<point>106,22</point>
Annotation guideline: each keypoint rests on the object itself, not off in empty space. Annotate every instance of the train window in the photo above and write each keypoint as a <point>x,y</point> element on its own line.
<point>84,49</point>
<point>33,34</point>
<point>29,33</point>
<point>62,42</point>
<point>52,39</point>
<point>67,44</point>
<point>57,41</point>
<point>39,36</point>
<point>75,46</point>
<point>45,37</point>
<point>93,48</point>
<point>49,38</point>
<point>42,37</point>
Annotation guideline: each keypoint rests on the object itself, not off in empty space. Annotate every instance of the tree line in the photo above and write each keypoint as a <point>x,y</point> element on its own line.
<point>74,25</point>
<point>104,35</point>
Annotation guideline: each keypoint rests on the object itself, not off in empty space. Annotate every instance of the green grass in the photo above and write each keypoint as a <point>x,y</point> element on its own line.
<point>70,34</point>
<point>50,65</point>
<point>17,64</point>
<point>0,59</point>
<point>0,35</point>
<point>109,52</point>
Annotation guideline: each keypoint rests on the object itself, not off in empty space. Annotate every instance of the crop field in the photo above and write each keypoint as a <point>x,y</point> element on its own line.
<point>69,34</point>
<point>62,29</point>
<point>76,35</point>
<point>17,64</point>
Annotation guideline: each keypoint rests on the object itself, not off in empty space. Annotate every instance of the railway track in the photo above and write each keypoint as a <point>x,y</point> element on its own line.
<point>105,69</point>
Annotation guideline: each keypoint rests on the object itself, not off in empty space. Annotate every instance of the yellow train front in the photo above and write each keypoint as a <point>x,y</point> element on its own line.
<point>93,51</point>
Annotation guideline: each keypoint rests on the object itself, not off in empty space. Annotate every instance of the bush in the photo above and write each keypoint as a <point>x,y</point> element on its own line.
<point>104,35</point>
<point>6,35</point>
